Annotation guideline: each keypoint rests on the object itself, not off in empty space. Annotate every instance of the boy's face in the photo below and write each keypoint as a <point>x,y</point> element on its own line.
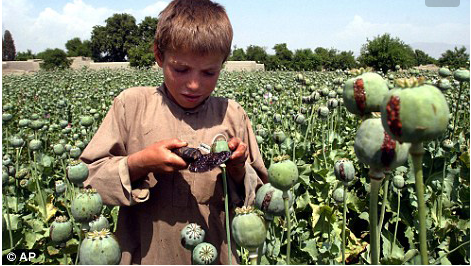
<point>190,78</point>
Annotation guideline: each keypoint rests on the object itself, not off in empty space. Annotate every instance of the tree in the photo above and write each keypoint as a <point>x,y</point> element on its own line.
<point>75,47</point>
<point>284,55</point>
<point>345,60</point>
<point>146,29</point>
<point>384,53</point>
<point>54,59</point>
<point>142,55</point>
<point>455,59</point>
<point>423,59</point>
<point>305,60</point>
<point>23,56</point>
<point>256,53</point>
<point>111,43</point>
<point>8,47</point>
<point>238,54</point>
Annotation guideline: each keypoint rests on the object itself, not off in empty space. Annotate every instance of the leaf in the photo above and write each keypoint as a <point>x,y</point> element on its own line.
<point>397,251</point>
<point>15,220</point>
<point>302,201</point>
<point>465,158</point>
<point>52,250</point>
<point>310,247</point>
<point>50,208</point>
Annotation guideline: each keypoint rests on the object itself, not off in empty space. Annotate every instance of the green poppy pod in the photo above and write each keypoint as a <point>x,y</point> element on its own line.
<point>374,147</point>
<point>344,170</point>
<point>192,235</point>
<point>415,114</point>
<point>283,175</point>
<point>204,254</point>
<point>364,94</point>
<point>248,228</point>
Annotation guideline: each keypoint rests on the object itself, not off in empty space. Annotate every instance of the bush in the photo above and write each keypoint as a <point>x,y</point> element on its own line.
<point>141,56</point>
<point>54,59</point>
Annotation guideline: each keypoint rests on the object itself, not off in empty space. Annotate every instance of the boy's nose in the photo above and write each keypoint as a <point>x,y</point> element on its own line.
<point>193,83</point>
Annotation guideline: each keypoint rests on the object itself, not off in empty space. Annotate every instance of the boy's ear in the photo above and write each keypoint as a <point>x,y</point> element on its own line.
<point>158,56</point>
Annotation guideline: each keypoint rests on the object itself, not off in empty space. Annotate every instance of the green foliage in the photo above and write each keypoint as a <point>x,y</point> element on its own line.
<point>455,59</point>
<point>384,53</point>
<point>423,59</point>
<point>141,56</point>
<point>23,56</point>
<point>111,43</point>
<point>75,47</point>
<point>146,29</point>
<point>256,53</point>
<point>8,47</point>
<point>238,54</point>
<point>54,59</point>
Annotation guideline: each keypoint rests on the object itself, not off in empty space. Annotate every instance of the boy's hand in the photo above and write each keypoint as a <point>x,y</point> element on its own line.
<point>236,163</point>
<point>157,157</point>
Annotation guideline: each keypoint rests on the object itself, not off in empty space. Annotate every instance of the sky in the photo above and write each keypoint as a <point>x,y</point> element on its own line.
<point>345,25</point>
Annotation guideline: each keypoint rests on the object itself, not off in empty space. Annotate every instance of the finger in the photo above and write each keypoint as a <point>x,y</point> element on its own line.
<point>234,143</point>
<point>240,152</point>
<point>174,144</point>
<point>177,161</point>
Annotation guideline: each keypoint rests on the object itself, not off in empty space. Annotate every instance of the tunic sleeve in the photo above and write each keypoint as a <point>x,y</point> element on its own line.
<point>106,157</point>
<point>255,172</point>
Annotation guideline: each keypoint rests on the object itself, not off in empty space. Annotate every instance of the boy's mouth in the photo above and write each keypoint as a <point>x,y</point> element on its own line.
<point>191,98</point>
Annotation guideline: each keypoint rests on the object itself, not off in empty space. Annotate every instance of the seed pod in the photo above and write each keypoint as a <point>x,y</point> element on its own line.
<point>344,170</point>
<point>248,228</point>
<point>220,145</point>
<point>35,145</point>
<point>270,200</point>
<point>279,136</point>
<point>444,84</point>
<point>447,144</point>
<point>323,112</point>
<point>415,114</point>
<point>461,75</point>
<point>99,224</point>
<point>16,142</point>
<point>86,205</point>
<point>283,175</point>
<point>338,195</point>
<point>60,186</point>
<point>374,147</point>
<point>77,172</point>
<point>58,149</point>
<point>86,121</point>
<point>99,248</point>
<point>444,72</point>
<point>24,122</point>
<point>192,235</point>
<point>364,94</point>
<point>6,117</point>
<point>60,230</point>
<point>75,152</point>
<point>398,181</point>
<point>204,254</point>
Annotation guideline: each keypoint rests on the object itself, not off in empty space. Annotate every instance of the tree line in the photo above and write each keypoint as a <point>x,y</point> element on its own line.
<point>121,39</point>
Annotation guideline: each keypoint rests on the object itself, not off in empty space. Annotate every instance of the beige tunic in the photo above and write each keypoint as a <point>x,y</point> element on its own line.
<point>155,208</point>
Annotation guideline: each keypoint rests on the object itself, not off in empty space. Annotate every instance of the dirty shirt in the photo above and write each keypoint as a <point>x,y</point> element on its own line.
<point>154,209</point>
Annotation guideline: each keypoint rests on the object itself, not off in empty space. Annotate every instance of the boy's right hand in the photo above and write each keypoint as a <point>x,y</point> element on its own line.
<point>157,157</point>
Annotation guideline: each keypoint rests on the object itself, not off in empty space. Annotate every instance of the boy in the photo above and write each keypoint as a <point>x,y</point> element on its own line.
<point>130,159</point>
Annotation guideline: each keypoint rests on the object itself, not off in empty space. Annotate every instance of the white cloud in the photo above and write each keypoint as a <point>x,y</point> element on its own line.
<point>53,28</point>
<point>357,31</point>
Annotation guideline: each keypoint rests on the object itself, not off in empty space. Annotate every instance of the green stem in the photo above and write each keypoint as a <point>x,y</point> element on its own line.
<point>253,256</point>
<point>449,252</point>
<point>457,109</point>
<point>10,234</point>
<point>397,220</point>
<point>323,145</point>
<point>344,223</point>
<point>383,206</point>
<point>226,209</point>
<point>38,187</point>
<point>440,201</point>
<point>417,151</point>
<point>375,184</point>
<point>288,225</point>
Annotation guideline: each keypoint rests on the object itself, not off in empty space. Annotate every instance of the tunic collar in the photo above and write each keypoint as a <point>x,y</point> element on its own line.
<point>162,89</point>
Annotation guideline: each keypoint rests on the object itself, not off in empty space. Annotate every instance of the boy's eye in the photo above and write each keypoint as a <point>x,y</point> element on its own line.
<point>209,73</point>
<point>181,70</point>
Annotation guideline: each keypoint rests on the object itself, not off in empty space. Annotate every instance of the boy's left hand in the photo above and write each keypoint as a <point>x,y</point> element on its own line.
<point>236,163</point>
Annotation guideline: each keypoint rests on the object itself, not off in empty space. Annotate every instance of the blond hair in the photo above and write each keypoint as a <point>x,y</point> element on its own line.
<point>199,26</point>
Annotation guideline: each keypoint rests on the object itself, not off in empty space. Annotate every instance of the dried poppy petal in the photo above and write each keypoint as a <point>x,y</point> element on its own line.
<point>209,161</point>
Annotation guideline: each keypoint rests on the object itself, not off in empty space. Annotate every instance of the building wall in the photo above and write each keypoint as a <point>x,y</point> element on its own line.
<point>79,62</point>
